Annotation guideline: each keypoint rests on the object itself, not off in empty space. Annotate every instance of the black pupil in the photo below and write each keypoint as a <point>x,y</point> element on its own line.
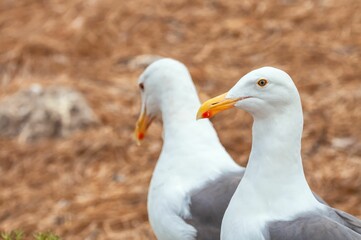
<point>262,82</point>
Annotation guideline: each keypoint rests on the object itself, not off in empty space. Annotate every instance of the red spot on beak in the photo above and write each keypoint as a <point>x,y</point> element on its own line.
<point>140,136</point>
<point>206,114</point>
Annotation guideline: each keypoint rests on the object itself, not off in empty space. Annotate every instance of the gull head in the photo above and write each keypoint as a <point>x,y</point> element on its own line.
<point>261,92</point>
<point>158,84</point>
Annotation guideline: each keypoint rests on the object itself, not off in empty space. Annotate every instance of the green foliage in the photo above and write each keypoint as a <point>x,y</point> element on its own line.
<point>46,236</point>
<point>13,235</point>
<point>19,235</point>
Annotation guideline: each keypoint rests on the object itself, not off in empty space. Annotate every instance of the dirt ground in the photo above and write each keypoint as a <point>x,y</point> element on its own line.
<point>93,184</point>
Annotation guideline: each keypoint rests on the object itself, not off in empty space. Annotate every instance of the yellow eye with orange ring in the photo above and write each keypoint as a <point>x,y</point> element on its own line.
<point>262,82</point>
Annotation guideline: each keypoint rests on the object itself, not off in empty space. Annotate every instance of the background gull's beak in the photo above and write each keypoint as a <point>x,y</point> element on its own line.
<point>142,125</point>
<point>215,105</point>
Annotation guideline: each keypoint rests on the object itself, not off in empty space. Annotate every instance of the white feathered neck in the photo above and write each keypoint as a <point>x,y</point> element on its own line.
<point>190,147</point>
<point>274,185</point>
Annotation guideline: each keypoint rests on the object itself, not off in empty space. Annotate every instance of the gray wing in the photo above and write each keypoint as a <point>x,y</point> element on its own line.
<point>314,226</point>
<point>209,203</point>
<point>349,220</point>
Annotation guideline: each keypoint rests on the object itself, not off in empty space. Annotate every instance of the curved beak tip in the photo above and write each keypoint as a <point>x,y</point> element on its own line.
<point>141,126</point>
<point>215,105</point>
<point>201,114</point>
<point>138,137</point>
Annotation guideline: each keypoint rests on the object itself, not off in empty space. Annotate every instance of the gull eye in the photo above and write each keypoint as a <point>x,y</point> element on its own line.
<point>262,82</point>
<point>141,86</point>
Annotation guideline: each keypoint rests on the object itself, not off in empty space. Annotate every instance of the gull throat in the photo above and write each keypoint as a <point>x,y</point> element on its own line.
<point>274,176</point>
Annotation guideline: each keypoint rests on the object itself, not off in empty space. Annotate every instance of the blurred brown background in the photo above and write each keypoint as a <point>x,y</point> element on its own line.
<point>87,179</point>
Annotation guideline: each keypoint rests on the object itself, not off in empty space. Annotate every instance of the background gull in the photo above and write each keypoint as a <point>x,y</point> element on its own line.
<point>194,178</point>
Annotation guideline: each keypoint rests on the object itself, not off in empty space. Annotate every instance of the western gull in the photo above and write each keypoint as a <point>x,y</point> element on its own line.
<point>194,178</point>
<point>273,200</point>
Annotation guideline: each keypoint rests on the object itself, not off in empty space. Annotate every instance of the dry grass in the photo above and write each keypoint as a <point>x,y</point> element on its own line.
<point>93,184</point>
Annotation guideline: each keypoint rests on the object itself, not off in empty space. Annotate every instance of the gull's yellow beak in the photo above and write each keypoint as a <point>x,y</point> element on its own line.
<point>142,125</point>
<point>215,105</point>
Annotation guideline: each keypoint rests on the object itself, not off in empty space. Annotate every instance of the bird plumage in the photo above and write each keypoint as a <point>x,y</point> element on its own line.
<point>191,158</point>
<point>273,199</point>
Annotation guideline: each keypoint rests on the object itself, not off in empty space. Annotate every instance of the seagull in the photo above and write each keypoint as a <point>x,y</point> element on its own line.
<point>194,178</point>
<point>273,199</point>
